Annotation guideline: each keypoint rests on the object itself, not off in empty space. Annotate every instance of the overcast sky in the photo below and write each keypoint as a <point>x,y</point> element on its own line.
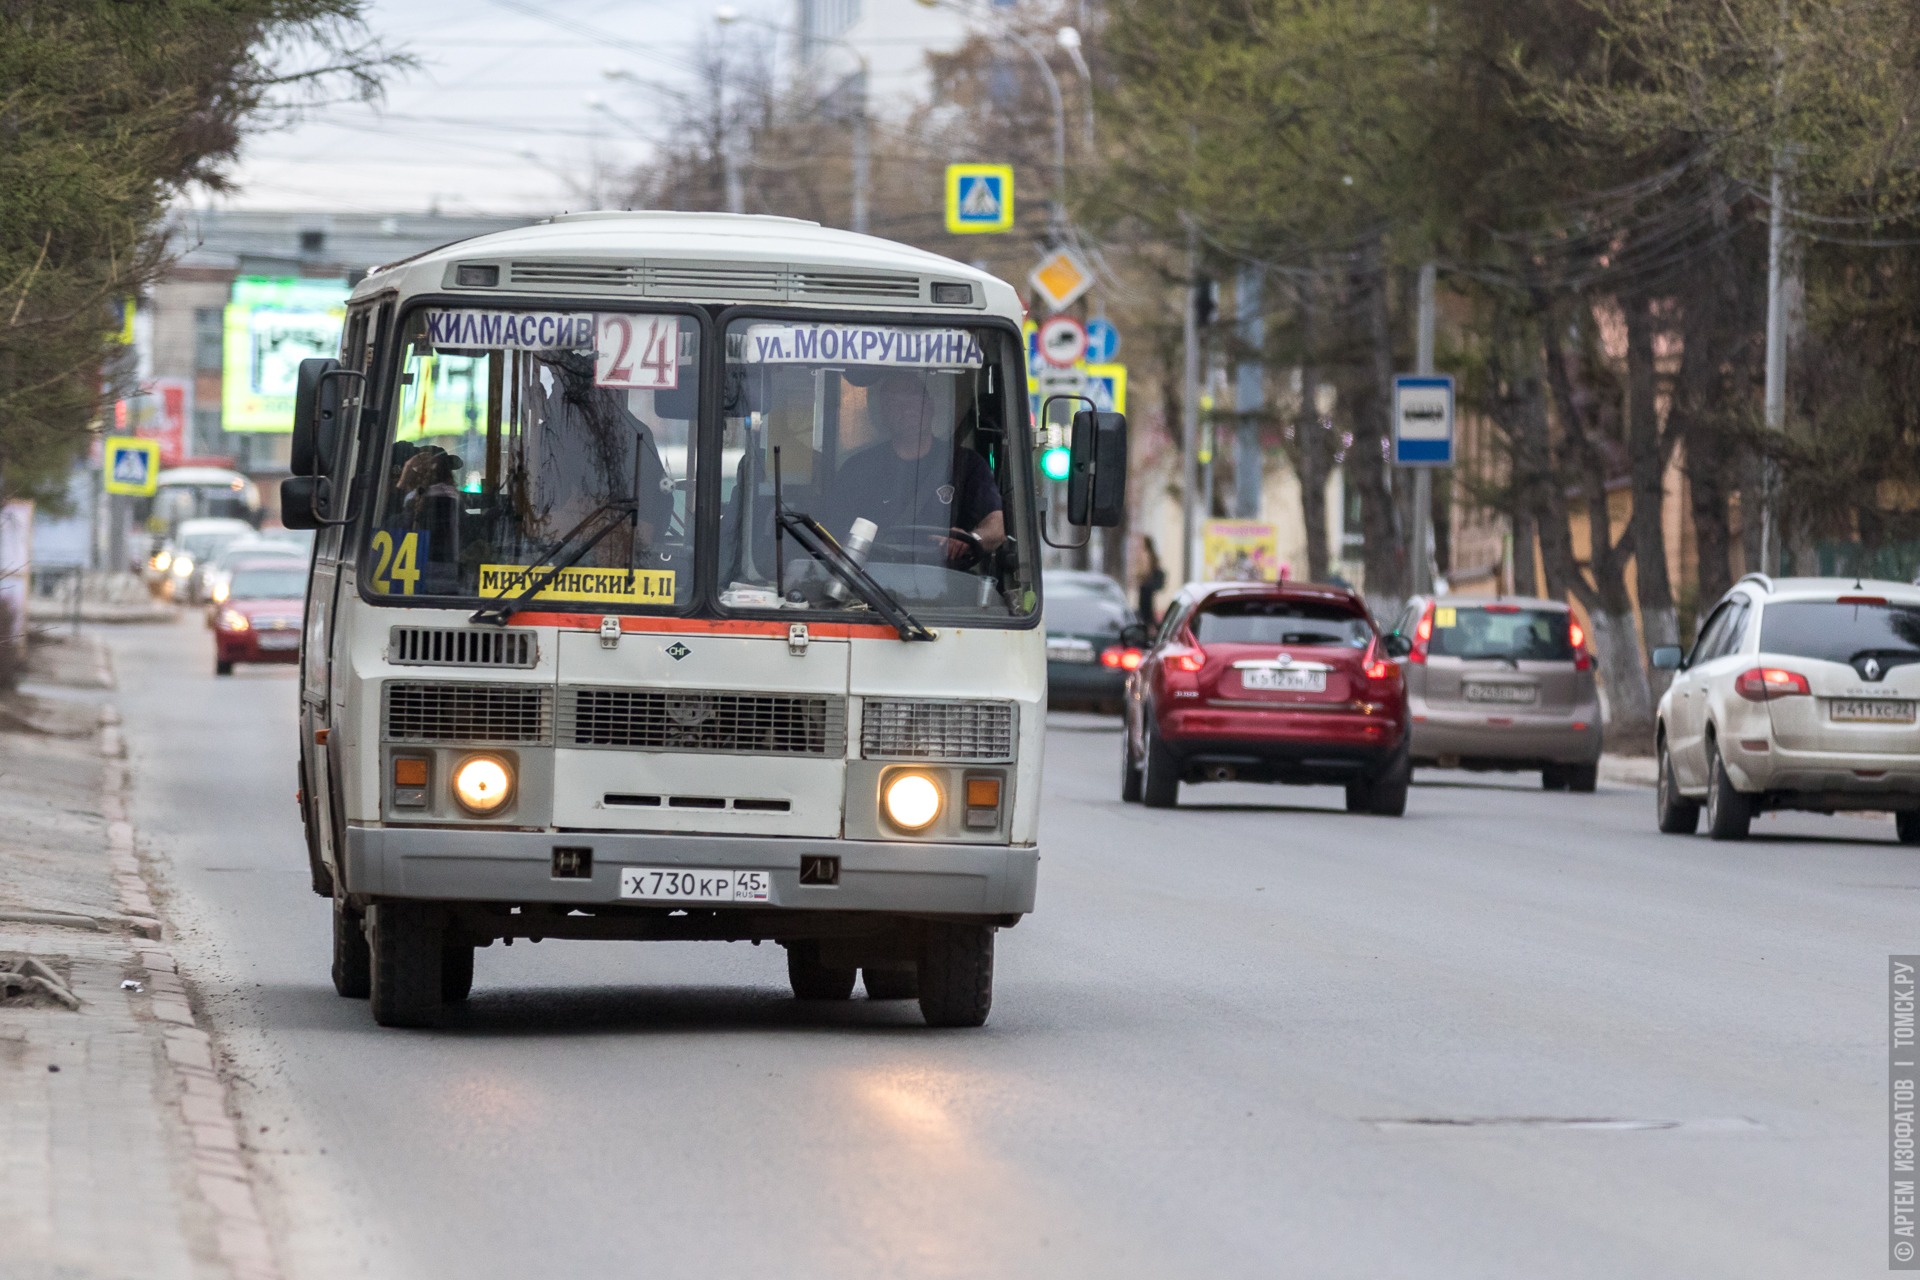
<point>499,116</point>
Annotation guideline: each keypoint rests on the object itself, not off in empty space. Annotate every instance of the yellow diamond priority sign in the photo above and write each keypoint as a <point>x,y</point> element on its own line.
<point>979,198</point>
<point>132,467</point>
<point>1061,277</point>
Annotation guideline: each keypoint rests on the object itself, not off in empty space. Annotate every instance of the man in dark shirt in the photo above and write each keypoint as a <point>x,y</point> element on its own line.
<point>908,479</point>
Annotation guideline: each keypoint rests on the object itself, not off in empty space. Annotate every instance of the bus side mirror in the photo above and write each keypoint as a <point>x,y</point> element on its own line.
<point>319,415</point>
<point>1666,658</point>
<point>1097,484</point>
<point>302,500</point>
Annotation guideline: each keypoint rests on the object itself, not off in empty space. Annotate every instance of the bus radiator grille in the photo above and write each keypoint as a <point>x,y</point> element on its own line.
<point>519,714</point>
<point>713,721</point>
<point>983,732</point>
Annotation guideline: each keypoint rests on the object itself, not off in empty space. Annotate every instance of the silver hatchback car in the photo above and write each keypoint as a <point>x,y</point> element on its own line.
<point>1501,682</point>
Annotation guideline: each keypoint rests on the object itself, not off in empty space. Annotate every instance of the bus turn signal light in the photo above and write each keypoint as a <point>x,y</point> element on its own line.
<point>409,772</point>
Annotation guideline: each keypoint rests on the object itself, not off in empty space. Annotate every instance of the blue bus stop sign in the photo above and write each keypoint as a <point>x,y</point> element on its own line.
<point>1423,421</point>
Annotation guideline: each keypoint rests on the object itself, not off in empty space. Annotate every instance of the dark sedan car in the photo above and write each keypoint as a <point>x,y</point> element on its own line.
<point>1088,660</point>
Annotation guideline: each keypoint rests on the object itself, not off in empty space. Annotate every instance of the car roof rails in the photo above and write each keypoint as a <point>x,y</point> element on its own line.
<point>1766,583</point>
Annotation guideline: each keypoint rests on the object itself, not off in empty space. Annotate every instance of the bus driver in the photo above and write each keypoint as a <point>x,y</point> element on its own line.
<point>908,480</point>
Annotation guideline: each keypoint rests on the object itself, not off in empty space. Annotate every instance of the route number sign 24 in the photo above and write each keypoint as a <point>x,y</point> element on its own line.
<point>637,353</point>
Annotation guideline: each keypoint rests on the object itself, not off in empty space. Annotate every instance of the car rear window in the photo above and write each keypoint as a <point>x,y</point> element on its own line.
<point>1535,635</point>
<point>1280,622</point>
<point>1833,631</point>
<point>268,584</point>
<point>1085,612</point>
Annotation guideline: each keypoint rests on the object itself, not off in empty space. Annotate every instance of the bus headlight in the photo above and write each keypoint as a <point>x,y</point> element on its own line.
<point>912,801</point>
<point>482,784</point>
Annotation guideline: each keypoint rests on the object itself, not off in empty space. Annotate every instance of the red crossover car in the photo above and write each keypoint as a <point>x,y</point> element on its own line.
<point>1258,682</point>
<point>261,618</point>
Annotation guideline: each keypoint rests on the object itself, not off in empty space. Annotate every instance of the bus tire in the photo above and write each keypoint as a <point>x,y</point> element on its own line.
<point>352,958</point>
<point>456,971</point>
<point>898,982</point>
<point>956,975</point>
<point>813,980</point>
<point>406,945</point>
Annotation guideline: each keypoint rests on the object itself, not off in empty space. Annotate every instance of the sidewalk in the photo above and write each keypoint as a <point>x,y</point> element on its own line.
<point>1639,771</point>
<point>118,1156</point>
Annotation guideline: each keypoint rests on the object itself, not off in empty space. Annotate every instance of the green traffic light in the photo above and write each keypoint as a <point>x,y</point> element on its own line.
<point>1056,462</point>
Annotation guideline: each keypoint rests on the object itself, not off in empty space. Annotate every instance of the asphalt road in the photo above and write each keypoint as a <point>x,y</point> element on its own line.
<point>1514,1034</point>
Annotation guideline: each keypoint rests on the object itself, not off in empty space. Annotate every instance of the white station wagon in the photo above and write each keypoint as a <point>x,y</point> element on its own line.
<point>1800,693</point>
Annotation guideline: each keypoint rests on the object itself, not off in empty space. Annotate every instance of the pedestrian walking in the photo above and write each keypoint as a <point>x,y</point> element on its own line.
<point>1153,581</point>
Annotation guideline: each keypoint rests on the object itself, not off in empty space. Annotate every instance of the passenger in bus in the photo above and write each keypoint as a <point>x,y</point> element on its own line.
<point>913,480</point>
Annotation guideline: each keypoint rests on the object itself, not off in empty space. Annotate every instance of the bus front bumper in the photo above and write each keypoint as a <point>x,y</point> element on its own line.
<point>466,865</point>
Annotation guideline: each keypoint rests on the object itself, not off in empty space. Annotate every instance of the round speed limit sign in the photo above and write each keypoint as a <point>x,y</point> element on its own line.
<point>1063,340</point>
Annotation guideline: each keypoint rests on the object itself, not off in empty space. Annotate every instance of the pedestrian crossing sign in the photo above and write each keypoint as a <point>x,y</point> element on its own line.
<point>132,466</point>
<point>979,198</point>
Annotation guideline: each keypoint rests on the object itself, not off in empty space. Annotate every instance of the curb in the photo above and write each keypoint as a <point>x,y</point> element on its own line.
<point>220,1172</point>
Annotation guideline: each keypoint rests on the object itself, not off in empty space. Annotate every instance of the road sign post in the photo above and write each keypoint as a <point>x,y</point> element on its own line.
<point>979,198</point>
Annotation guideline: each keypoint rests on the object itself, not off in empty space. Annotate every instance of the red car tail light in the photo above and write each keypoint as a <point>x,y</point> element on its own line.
<point>1861,600</point>
<point>1764,684</point>
<point>1422,633</point>
<point>1383,669</point>
<point>1577,637</point>
<point>1188,660</point>
<point>1121,659</point>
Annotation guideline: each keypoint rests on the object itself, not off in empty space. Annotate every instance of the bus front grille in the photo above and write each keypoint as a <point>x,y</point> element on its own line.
<point>507,714</point>
<point>893,729</point>
<point>709,721</point>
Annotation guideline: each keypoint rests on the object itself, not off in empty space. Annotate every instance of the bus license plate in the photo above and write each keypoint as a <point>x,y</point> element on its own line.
<point>1872,711</point>
<point>694,884</point>
<point>1284,679</point>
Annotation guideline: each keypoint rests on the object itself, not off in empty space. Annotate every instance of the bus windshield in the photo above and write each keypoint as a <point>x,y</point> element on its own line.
<point>526,438</point>
<point>902,441</point>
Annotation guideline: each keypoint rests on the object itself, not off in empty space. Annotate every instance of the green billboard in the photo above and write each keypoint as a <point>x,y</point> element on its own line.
<point>272,325</point>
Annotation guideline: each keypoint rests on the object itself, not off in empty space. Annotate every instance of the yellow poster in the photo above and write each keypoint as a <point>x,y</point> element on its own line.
<point>599,586</point>
<point>1242,551</point>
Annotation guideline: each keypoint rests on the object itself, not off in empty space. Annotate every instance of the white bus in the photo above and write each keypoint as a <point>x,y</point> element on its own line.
<point>679,579</point>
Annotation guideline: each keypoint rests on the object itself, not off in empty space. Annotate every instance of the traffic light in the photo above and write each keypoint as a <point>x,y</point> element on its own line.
<point>1056,462</point>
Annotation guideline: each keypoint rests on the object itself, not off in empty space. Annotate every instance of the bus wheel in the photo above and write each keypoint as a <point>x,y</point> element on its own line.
<point>406,947</point>
<point>456,971</point>
<point>956,975</point>
<point>813,980</point>
<point>352,959</point>
<point>900,982</point>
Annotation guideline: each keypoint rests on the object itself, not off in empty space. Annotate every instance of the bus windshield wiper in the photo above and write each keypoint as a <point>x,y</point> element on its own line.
<point>818,543</point>
<point>498,612</point>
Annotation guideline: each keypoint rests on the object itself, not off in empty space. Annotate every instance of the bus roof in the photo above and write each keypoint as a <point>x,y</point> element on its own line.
<point>697,257</point>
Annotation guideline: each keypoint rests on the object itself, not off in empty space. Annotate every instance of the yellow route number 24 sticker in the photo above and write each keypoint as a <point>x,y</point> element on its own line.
<point>396,563</point>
